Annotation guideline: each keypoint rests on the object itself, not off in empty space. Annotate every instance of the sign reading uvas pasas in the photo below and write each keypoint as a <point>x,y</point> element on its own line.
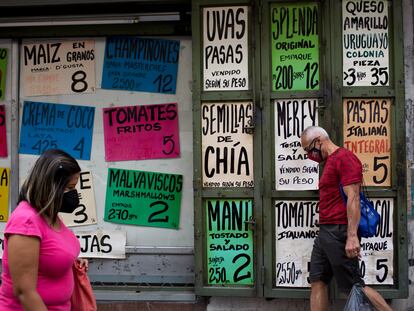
<point>3,71</point>
<point>141,132</point>
<point>229,242</point>
<point>143,198</point>
<point>295,46</point>
<point>58,67</point>
<point>141,64</point>
<point>225,48</point>
<point>56,126</point>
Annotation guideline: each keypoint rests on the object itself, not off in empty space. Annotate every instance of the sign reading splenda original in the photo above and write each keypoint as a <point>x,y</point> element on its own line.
<point>229,242</point>
<point>225,48</point>
<point>365,43</point>
<point>295,46</point>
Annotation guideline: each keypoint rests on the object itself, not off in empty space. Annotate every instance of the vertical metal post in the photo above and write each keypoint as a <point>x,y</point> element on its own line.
<point>15,120</point>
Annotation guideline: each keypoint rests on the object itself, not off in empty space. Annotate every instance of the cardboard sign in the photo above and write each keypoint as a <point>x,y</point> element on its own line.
<point>141,132</point>
<point>3,132</point>
<point>294,46</point>
<point>225,48</point>
<point>294,171</point>
<point>377,253</point>
<point>55,126</point>
<point>102,244</point>
<point>295,230</point>
<point>365,43</point>
<point>143,198</point>
<point>367,133</point>
<point>85,213</point>
<point>227,144</point>
<point>58,67</point>
<point>4,194</point>
<point>229,242</point>
<point>141,64</point>
<point>3,71</point>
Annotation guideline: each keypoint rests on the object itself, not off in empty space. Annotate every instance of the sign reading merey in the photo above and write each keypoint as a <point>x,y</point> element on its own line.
<point>227,144</point>
<point>365,43</point>
<point>367,133</point>
<point>294,171</point>
<point>295,47</point>
<point>225,48</point>
<point>58,67</point>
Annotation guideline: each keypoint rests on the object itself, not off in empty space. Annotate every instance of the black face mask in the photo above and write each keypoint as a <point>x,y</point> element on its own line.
<point>70,201</point>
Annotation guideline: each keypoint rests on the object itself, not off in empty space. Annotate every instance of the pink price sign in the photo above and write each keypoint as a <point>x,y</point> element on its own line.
<point>141,132</point>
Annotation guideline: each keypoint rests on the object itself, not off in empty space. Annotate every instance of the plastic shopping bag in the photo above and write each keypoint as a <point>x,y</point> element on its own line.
<point>83,298</point>
<point>358,301</point>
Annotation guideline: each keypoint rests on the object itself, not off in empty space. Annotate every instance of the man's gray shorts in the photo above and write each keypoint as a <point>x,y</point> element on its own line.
<point>329,259</point>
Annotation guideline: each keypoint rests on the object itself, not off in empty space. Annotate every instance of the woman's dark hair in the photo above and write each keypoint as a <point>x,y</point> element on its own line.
<point>45,185</point>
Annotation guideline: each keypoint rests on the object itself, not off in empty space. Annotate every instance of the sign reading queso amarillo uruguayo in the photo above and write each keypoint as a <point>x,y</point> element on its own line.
<point>143,198</point>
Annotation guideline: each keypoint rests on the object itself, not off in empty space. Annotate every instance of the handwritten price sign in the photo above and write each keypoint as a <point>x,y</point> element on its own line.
<point>55,126</point>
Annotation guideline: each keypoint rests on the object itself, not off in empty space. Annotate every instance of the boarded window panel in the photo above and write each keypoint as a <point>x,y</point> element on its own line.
<point>229,242</point>
<point>225,48</point>
<point>294,171</point>
<point>227,144</point>
<point>295,46</point>
<point>365,43</point>
<point>367,133</point>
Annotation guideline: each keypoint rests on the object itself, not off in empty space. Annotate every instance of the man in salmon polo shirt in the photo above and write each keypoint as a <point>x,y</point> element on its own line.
<point>336,250</point>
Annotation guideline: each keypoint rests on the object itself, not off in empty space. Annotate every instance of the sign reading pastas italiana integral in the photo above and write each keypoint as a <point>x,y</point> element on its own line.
<point>227,144</point>
<point>295,46</point>
<point>3,71</point>
<point>225,48</point>
<point>85,213</point>
<point>102,244</point>
<point>4,193</point>
<point>294,171</point>
<point>229,242</point>
<point>367,133</point>
<point>58,67</point>
<point>143,198</point>
<point>377,253</point>
<point>296,228</point>
<point>56,126</point>
<point>365,43</point>
<point>141,64</point>
<point>3,132</point>
<point>141,132</point>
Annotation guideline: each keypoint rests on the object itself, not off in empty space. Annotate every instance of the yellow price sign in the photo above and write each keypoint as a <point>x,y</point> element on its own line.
<point>4,194</point>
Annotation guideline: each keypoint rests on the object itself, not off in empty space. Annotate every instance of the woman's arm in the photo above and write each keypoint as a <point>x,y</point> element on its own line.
<point>23,256</point>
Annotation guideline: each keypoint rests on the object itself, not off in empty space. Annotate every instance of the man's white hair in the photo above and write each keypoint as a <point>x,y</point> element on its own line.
<point>311,132</point>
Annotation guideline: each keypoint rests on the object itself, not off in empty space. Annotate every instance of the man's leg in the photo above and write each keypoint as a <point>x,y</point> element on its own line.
<point>319,296</point>
<point>376,299</point>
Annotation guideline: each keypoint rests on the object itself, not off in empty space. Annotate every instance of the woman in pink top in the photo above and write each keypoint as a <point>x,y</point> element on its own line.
<point>39,250</point>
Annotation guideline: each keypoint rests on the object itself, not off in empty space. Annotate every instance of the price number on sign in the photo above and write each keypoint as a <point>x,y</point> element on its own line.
<point>158,215</point>
<point>287,273</point>
<point>163,83</point>
<point>79,83</point>
<point>168,144</point>
<point>80,214</point>
<point>379,76</point>
<point>42,145</point>
<point>218,275</point>
<point>380,169</point>
<point>381,268</point>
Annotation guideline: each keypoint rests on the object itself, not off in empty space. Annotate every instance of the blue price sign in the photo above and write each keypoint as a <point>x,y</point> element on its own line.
<point>56,126</point>
<point>141,64</point>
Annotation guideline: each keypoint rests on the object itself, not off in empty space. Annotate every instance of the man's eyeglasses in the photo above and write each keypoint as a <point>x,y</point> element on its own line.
<point>311,145</point>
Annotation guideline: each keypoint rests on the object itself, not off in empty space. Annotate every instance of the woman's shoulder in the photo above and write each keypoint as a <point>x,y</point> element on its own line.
<point>24,215</point>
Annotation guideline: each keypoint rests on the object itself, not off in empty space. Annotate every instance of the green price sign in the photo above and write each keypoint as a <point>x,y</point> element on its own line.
<point>3,67</point>
<point>229,242</point>
<point>143,198</point>
<point>294,46</point>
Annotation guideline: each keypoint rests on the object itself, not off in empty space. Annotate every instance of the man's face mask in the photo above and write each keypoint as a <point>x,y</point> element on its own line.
<point>314,153</point>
